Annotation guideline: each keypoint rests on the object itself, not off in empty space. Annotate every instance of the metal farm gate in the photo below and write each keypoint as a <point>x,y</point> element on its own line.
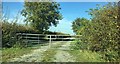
<point>41,38</point>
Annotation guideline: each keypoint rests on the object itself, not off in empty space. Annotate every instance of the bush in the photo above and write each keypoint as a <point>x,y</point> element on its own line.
<point>9,37</point>
<point>101,34</point>
<point>7,33</point>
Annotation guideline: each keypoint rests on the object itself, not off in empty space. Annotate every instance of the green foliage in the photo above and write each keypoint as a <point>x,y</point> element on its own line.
<point>111,56</point>
<point>9,31</point>
<point>86,56</point>
<point>102,32</point>
<point>9,37</point>
<point>41,15</point>
<point>78,23</point>
<point>9,53</point>
<point>77,44</point>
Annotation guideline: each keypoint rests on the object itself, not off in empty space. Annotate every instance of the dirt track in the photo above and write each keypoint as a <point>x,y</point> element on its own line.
<point>37,54</point>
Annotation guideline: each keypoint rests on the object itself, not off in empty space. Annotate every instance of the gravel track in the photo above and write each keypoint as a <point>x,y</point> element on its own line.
<point>36,56</point>
<point>62,55</point>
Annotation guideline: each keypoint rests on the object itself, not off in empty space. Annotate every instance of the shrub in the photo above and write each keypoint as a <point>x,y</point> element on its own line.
<point>101,34</point>
<point>9,37</point>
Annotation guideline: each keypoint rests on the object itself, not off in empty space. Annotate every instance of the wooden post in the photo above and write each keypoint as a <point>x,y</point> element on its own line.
<point>38,39</point>
<point>26,41</point>
<point>50,41</point>
<point>62,38</point>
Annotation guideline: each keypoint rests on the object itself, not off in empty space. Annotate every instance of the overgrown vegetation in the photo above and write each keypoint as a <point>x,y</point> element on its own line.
<point>9,37</point>
<point>9,31</point>
<point>101,33</point>
<point>86,56</point>
<point>10,53</point>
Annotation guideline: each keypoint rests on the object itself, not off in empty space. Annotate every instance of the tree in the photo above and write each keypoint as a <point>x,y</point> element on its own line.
<point>42,15</point>
<point>78,23</point>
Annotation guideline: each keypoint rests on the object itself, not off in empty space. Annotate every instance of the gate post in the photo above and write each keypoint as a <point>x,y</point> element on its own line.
<point>38,38</point>
<point>50,41</point>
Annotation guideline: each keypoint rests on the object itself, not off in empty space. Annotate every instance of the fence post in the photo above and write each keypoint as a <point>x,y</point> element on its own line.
<point>50,41</point>
<point>38,39</point>
<point>26,41</point>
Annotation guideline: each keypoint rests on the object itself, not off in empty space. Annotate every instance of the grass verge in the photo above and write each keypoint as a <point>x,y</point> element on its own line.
<point>10,53</point>
<point>86,56</point>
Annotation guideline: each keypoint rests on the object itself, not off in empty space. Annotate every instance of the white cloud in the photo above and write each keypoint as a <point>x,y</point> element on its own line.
<point>64,26</point>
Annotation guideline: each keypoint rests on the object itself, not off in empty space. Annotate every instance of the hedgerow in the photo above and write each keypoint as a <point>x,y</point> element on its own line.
<point>101,33</point>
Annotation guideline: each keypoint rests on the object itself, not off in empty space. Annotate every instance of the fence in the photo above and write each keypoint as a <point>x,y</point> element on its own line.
<point>37,38</point>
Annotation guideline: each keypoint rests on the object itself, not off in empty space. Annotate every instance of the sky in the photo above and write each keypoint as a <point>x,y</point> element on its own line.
<point>69,10</point>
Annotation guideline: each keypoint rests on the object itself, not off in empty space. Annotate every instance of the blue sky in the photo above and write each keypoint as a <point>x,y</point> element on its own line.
<point>69,10</point>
